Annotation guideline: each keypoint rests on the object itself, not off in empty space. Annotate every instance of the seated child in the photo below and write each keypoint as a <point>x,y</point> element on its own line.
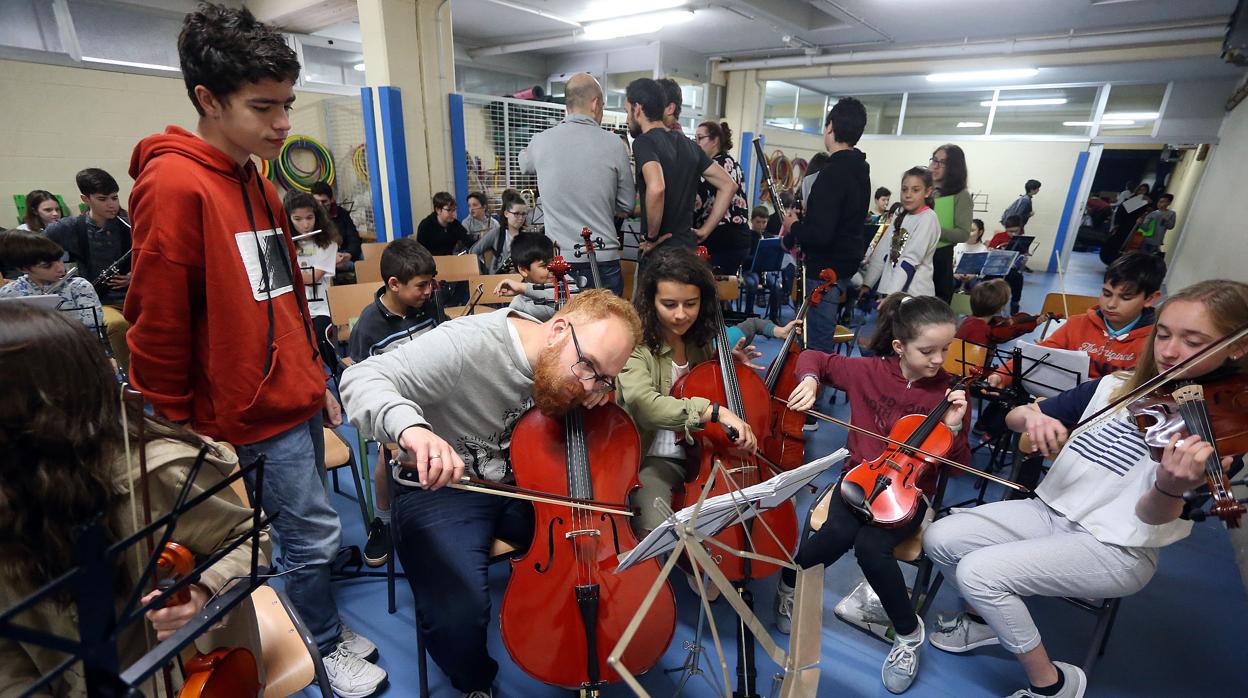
<point>1013,228</point>
<point>534,294</point>
<point>985,326</point>
<point>974,244</point>
<point>400,311</point>
<point>1114,331</point>
<point>43,274</point>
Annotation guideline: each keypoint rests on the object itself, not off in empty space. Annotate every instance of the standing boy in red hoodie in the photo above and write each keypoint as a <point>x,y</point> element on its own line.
<point>220,333</point>
<point>1113,332</point>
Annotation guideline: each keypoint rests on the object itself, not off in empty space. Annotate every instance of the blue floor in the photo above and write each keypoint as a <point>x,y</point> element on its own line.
<point>1180,636</point>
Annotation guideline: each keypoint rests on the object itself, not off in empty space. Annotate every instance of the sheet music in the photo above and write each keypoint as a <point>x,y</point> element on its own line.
<point>1049,371</point>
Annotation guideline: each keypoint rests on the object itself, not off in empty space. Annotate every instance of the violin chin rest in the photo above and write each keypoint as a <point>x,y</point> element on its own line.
<point>856,498</point>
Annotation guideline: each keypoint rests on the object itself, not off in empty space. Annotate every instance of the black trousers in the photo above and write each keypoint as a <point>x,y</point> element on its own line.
<point>942,272</point>
<point>873,546</point>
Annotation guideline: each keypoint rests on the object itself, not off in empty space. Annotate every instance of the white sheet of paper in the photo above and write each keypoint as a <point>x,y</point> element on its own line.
<point>1062,369</point>
<point>1134,203</point>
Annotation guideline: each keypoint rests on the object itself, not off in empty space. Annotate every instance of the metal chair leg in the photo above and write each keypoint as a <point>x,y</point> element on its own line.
<point>422,661</point>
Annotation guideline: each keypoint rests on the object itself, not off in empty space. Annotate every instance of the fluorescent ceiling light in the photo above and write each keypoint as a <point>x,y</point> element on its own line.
<point>610,9</point>
<point>130,64</point>
<point>1103,122</point>
<point>984,75</point>
<point>970,124</point>
<point>359,67</point>
<point>635,24</point>
<point>1042,102</point>
<point>1133,115</point>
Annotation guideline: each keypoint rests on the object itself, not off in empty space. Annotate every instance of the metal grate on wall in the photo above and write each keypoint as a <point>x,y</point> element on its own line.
<point>344,130</point>
<point>496,129</point>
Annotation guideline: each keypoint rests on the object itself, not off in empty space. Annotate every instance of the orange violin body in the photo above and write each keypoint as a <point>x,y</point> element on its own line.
<point>226,672</point>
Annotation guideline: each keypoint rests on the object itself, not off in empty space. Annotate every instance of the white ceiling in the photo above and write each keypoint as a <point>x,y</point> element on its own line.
<point>733,27</point>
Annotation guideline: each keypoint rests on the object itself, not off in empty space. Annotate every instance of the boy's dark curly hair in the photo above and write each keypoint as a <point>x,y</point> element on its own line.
<point>223,49</point>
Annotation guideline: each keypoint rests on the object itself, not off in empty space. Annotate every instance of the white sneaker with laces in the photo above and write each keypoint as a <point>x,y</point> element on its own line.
<point>352,677</point>
<point>357,644</point>
<point>961,634</point>
<point>479,694</point>
<point>902,664</point>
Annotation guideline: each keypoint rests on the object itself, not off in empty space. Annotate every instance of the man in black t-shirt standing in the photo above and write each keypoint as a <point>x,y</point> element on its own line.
<point>669,169</point>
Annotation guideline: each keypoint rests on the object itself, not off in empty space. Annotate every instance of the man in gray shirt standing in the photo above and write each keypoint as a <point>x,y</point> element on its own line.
<point>450,399</point>
<point>584,178</point>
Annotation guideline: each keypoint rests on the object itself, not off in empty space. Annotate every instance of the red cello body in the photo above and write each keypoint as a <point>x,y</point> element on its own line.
<point>705,380</point>
<point>565,607</point>
<point>886,491</point>
<point>784,441</point>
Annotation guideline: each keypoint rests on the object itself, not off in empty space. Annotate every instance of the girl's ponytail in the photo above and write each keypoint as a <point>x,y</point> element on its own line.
<point>903,317</point>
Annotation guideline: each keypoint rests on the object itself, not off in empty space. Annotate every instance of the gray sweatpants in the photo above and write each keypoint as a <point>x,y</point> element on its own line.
<point>1007,550</point>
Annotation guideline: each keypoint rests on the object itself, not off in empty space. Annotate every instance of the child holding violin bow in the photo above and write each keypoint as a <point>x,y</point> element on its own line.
<point>676,306</point>
<point>904,377</point>
<point>1115,493</point>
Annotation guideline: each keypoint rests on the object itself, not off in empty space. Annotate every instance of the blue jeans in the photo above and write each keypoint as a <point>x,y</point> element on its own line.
<point>612,278</point>
<point>443,539</point>
<point>821,320</point>
<point>307,527</point>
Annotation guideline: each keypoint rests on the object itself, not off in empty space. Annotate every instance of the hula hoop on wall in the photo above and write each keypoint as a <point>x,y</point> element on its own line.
<point>292,177</point>
<point>359,160</point>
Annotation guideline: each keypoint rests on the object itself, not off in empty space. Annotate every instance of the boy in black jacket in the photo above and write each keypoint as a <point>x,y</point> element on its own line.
<point>831,233</point>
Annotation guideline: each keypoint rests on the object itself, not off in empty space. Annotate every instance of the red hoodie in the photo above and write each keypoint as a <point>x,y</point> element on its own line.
<point>214,339</point>
<point>878,396</point>
<point>1088,333</point>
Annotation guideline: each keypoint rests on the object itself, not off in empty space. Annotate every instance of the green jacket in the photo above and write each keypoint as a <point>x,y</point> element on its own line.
<point>645,387</point>
<point>962,215</point>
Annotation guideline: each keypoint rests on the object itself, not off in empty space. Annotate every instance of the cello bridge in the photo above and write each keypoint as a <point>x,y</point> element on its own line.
<point>585,532</point>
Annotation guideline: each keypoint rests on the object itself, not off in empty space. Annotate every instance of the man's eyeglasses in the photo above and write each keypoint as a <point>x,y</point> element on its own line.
<point>584,369</point>
<point>449,208</point>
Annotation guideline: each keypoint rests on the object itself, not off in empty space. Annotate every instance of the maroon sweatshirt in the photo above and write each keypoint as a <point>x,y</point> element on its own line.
<point>878,396</point>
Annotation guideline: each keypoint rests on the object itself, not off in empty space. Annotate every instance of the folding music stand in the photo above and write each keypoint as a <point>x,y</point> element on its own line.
<point>90,584</point>
<point>688,532</point>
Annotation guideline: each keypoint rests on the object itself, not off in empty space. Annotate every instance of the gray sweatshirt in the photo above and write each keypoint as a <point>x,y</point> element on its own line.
<point>585,178</point>
<point>467,380</point>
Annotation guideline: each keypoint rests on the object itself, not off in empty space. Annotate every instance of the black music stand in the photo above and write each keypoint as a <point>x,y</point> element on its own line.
<point>91,586</point>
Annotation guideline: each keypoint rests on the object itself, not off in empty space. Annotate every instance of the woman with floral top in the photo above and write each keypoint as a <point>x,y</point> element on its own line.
<point>730,242</point>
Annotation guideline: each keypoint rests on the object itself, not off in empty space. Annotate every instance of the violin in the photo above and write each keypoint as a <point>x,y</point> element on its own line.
<point>226,672</point>
<point>784,442</point>
<point>742,391</point>
<point>588,248</point>
<point>565,607</point>
<point>1214,410</point>
<point>886,491</point>
<point>1003,329</point>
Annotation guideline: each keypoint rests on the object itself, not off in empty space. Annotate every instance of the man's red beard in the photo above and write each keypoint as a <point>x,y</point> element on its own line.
<point>555,390</point>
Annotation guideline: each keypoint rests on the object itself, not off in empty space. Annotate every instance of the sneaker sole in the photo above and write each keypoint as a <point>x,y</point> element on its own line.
<point>376,561</point>
<point>967,648</point>
<point>363,694</point>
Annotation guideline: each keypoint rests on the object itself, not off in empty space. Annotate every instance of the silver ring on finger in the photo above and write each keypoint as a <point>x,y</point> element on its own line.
<point>436,456</point>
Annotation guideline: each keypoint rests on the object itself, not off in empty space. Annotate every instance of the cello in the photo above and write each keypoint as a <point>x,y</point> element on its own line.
<point>784,442</point>
<point>565,606</point>
<point>589,249</point>
<point>742,391</point>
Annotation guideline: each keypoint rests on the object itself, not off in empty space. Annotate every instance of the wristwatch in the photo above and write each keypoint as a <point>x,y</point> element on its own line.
<point>714,413</point>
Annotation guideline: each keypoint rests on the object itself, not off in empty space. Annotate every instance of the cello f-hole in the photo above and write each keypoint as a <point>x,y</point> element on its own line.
<point>550,542</point>
<point>615,534</point>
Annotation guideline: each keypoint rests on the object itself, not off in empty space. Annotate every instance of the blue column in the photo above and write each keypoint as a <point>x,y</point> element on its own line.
<point>1072,209</point>
<point>459,152</point>
<point>396,160</point>
<point>374,165</point>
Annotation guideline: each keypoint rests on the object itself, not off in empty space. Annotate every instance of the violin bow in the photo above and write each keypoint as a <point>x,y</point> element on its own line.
<point>939,459</point>
<point>1172,373</point>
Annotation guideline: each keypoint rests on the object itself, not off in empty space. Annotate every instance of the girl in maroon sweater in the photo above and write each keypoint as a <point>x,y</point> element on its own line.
<point>906,376</point>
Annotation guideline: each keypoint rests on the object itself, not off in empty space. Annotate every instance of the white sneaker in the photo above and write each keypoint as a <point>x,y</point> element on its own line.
<point>352,677</point>
<point>479,694</point>
<point>357,644</point>
<point>902,663</point>
<point>962,635</point>
<point>1075,686</point>
<point>784,608</point>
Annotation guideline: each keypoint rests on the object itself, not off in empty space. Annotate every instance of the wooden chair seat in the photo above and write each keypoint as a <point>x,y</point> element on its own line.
<point>368,271</point>
<point>843,335</point>
<point>337,453</point>
<point>727,288</point>
<point>490,282</point>
<point>287,665</point>
<point>373,250</point>
<point>347,302</point>
<point>963,358</point>
<point>628,272</point>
